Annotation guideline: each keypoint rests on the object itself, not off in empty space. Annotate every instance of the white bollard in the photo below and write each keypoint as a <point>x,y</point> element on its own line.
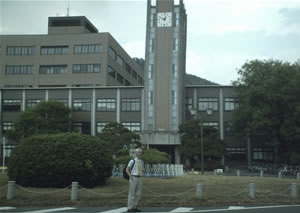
<point>294,190</point>
<point>199,191</point>
<point>238,173</point>
<point>74,193</point>
<point>279,175</point>
<point>298,175</point>
<point>11,190</point>
<point>252,190</point>
<point>261,173</point>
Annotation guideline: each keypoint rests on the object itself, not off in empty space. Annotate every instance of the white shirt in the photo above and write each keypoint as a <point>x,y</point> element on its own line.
<point>135,169</point>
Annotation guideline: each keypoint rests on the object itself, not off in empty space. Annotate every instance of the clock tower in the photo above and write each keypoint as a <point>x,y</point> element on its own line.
<point>165,60</point>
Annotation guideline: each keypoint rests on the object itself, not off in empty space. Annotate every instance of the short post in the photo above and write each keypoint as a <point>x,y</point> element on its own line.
<point>252,190</point>
<point>294,190</point>
<point>199,191</point>
<point>298,175</point>
<point>238,173</point>
<point>11,190</point>
<point>215,172</point>
<point>74,193</point>
<point>279,175</point>
<point>261,173</point>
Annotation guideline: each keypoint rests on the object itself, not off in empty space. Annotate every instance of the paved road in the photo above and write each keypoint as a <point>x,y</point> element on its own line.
<point>233,209</point>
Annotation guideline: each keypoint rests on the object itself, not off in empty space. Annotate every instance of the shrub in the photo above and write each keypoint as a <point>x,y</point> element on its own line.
<point>150,156</point>
<point>58,160</point>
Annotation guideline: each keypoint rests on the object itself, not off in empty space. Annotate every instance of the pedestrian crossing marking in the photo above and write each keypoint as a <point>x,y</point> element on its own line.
<point>51,210</point>
<point>182,210</point>
<point>124,209</point>
<point>6,208</point>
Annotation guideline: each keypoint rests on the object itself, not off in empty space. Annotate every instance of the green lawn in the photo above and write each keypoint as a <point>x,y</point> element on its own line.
<point>180,191</point>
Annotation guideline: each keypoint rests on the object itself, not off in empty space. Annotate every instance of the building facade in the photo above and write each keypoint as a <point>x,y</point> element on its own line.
<point>93,75</point>
<point>72,54</point>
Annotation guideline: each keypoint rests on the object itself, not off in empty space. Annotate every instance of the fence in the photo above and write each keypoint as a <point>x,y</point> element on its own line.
<point>198,190</point>
<point>260,173</point>
<point>154,170</point>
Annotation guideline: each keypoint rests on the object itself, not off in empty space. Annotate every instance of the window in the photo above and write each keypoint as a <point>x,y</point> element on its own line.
<point>111,72</point>
<point>106,104</point>
<point>112,53</point>
<point>63,101</point>
<point>131,104</point>
<point>175,44</point>
<point>88,48</point>
<point>231,104</point>
<point>151,45</point>
<point>20,50</point>
<point>229,131</point>
<point>7,126</point>
<point>150,97</point>
<point>174,71</point>
<point>82,105</point>
<point>8,149</point>
<point>54,50</point>
<point>53,69</point>
<point>127,68</point>
<point>208,103</point>
<point>19,69</point>
<point>236,150</point>
<point>132,126</point>
<point>32,102</point>
<point>212,124</point>
<point>174,97</point>
<point>150,71</point>
<point>134,74</point>
<point>127,83</point>
<point>82,127</point>
<point>100,126</point>
<point>265,154</point>
<point>86,68</point>
<point>188,103</point>
<point>18,86</point>
<point>11,105</point>
<point>140,80</point>
<point>120,78</point>
<point>120,61</point>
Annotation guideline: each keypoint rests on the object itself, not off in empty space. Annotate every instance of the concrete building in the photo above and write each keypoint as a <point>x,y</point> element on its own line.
<point>93,75</point>
<point>72,54</point>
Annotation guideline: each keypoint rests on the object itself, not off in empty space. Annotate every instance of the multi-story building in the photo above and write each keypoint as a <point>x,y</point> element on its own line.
<point>93,75</point>
<point>72,54</point>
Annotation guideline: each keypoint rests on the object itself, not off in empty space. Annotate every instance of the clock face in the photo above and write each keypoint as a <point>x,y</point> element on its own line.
<point>164,19</point>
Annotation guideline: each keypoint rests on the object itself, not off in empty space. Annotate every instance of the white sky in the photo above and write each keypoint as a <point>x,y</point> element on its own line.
<point>222,34</point>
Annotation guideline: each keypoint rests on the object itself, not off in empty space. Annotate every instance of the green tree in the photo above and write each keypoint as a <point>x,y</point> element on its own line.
<point>190,147</point>
<point>270,106</point>
<point>118,136</point>
<point>46,117</point>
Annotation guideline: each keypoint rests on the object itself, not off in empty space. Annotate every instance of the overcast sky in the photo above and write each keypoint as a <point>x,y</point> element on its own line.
<point>222,34</point>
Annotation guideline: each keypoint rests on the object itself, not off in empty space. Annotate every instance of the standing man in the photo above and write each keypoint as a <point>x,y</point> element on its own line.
<point>135,181</point>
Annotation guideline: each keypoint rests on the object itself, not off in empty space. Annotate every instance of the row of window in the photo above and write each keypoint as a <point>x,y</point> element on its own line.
<point>204,103</point>
<point>135,126</point>
<point>103,104</point>
<point>84,127</point>
<point>52,69</point>
<point>55,50</point>
<point>113,54</point>
<point>213,103</point>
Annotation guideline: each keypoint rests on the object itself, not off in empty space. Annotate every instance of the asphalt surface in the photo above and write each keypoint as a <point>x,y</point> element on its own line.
<point>234,209</point>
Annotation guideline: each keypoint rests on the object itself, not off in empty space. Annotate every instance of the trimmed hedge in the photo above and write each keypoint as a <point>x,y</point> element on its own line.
<point>58,160</point>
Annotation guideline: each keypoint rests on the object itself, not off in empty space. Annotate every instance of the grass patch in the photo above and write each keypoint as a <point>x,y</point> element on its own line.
<point>157,192</point>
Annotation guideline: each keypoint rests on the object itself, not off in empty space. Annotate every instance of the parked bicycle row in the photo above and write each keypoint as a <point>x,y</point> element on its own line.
<point>274,169</point>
